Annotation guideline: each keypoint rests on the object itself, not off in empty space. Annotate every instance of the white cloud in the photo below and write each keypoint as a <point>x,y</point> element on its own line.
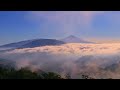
<point>74,49</point>
<point>69,58</point>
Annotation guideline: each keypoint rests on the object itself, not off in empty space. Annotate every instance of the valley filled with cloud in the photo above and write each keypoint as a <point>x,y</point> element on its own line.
<point>96,60</point>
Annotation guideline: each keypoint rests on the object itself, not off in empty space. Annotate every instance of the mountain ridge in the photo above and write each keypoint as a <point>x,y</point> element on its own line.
<point>41,42</point>
<point>32,43</point>
<point>74,39</point>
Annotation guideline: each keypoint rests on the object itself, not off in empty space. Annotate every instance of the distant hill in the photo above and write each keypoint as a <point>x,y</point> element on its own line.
<point>74,39</point>
<point>42,42</point>
<point>17,44</point>
<point>31,44</point>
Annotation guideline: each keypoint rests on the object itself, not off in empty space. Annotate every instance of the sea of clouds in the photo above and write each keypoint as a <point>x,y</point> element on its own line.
<point>74,59</point>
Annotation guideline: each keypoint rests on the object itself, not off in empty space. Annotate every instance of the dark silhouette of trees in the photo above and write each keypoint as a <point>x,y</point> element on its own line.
<point>50,75</point>
<point>23,73</point>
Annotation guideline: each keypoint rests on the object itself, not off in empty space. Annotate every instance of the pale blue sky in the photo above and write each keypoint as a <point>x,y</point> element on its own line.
<point>23,25</point>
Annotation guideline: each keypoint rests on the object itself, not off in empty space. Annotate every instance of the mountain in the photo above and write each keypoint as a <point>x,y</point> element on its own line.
<point>74,39</point>
<point>42,42</point>
<point>14,45</point>
<point>31,44</point>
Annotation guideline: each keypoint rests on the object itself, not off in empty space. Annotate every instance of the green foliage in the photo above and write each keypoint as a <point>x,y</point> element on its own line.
<point>23,73</point>
<point>50,75</point>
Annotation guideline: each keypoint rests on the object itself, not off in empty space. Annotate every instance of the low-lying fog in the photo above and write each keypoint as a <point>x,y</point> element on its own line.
<point>96,60</point>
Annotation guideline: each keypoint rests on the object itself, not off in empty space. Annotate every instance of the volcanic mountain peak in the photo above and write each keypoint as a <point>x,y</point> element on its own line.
<point>74,39</point>
<point>71,36</point>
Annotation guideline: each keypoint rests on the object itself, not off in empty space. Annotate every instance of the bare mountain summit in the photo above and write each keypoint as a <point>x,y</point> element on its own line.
<point>74,39</point>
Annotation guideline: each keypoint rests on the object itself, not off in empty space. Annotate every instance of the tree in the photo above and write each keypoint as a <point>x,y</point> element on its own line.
<point>50,75</point>
<point>67,76</point>
<point>24,73</point>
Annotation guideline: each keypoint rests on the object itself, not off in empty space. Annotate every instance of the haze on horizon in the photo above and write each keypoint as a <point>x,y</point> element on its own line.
<point>98,26</point>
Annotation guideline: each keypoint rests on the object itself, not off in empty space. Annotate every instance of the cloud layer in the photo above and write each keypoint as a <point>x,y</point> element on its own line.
<point>97,60</point>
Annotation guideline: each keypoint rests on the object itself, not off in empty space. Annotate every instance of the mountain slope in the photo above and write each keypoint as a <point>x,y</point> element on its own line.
<point>73,39</point>
<point>16,44</point>
<point>42,42</point>
<point>31,44</point>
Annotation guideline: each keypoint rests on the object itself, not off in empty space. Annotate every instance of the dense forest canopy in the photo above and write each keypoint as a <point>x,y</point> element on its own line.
<point>25,73</point>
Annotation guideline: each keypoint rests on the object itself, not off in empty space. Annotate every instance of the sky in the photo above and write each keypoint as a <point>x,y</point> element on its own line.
<point>24,25</point>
